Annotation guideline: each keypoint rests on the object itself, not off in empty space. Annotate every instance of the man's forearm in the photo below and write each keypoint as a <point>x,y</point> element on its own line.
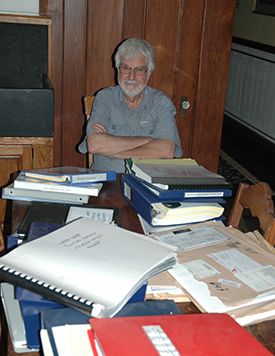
<point>108,145</point>
<point>162,148</point>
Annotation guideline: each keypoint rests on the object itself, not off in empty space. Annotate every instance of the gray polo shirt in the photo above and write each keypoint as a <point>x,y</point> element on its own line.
<point>155,117</point>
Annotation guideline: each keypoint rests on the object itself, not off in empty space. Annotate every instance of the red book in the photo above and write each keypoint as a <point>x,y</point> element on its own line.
<point>185,335</point>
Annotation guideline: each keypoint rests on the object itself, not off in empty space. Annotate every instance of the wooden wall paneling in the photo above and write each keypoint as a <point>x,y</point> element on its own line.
<point>27,157</point>
<point>43,155</point>
<point>212,79</point>
<point>54,9</point>
<point>104,32</point>
<point>162,33</point>
<point>188,64</point>
<point>13,158</point>
<point>104,28</point>
<point>11,152</point>
<point>8,165</point>
<point>73,79</point>
<point>134,18</point>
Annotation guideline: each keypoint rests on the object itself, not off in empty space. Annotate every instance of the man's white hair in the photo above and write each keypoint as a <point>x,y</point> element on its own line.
<point>132,47</point>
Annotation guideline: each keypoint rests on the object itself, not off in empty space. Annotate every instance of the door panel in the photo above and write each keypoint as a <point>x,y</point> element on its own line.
<point>135,17</point>
<point>211,82</point>
<point>177,46</point>
<point>162,27</point>
<point>188,64</point>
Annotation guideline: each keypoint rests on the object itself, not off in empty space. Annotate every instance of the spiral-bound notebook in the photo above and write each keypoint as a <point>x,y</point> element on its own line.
<point>88,265</point>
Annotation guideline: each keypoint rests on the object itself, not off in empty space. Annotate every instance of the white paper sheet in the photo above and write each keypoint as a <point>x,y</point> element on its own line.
<point>104,215</point>
<point>190,238</point>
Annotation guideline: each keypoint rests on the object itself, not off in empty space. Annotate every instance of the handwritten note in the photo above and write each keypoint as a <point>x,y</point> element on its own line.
<point>103,215</point>
<point>78,241</point>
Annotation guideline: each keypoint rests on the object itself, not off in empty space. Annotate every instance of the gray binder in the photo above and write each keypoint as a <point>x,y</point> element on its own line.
<point>10,192</point>
<point>14,319</point>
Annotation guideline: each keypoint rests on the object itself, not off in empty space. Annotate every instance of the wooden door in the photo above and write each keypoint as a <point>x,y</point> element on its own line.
<point>192,43</point>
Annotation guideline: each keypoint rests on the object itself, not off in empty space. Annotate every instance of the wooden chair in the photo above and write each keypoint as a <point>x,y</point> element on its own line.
<point>2,317</point>
<point>258,199</point>
<point>2,243</point>
<point>88,105</point>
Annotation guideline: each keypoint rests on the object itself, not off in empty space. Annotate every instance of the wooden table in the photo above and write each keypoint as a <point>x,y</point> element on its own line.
<point>110,196</point>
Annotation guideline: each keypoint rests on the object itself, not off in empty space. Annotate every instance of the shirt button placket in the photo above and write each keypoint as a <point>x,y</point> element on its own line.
<point>133,119</point>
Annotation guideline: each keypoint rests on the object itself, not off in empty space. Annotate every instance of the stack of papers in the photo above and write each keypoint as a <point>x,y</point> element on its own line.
<point>223,272</point>
<point>184,213</point>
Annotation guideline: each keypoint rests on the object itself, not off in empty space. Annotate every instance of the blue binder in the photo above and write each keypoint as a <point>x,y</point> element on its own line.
<point>141,198</point>
<point>201,192</point>
<point>31,317</point>
<point>32,305</point>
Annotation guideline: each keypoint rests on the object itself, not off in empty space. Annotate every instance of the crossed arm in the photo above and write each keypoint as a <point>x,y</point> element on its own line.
<point>102,143</point>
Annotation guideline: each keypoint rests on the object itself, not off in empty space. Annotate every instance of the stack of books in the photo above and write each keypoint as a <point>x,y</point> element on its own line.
<point>169,192</point>
<point>59,184</point>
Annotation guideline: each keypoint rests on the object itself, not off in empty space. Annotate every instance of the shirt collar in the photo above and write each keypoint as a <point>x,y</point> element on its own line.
<point>143,102</point>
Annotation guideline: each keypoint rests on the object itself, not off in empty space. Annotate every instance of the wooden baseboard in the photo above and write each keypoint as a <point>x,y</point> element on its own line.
<point>250,150</point>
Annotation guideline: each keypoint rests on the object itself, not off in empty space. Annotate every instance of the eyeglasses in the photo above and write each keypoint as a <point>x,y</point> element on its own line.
<point>124,69</point>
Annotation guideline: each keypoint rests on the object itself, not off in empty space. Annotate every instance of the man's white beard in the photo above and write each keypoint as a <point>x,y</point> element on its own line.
<point>131,92</point>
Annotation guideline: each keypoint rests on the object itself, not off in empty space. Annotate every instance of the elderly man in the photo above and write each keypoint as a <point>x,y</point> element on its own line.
<point>131,119</point>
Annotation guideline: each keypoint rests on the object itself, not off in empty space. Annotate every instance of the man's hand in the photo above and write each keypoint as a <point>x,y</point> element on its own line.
<point>99,127</point>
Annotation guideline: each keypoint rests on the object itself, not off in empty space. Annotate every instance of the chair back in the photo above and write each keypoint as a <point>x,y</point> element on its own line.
<point>88,105</point>
<point>258,199</point>
<point>2,243</point>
